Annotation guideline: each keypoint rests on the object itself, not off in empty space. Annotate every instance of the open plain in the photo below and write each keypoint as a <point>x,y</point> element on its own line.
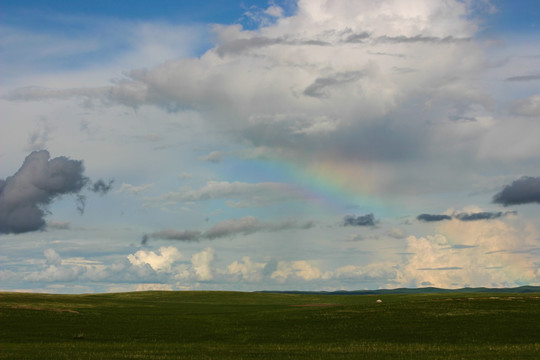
<point>234,325</point>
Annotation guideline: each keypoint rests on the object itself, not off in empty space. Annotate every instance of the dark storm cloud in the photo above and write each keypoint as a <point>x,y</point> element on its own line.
<point>317,89</point>
<point>360,220</point>
<point>525,190</point>
<point>24,197</point>
<point>431,217</point>
<point>101,186</point>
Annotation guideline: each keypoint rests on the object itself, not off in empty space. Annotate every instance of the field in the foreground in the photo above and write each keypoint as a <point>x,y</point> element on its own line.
<point>228,325</point>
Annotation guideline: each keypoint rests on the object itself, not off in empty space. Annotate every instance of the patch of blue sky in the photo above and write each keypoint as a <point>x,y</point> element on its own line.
<point>209,11</point>
<point>72,35</point>
<point>514,17</point>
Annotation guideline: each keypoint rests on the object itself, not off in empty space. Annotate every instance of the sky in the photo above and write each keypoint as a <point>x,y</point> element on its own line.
<point>269,145</point>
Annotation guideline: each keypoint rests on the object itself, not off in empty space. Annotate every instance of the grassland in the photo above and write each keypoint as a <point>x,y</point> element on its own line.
<point>229,325</point>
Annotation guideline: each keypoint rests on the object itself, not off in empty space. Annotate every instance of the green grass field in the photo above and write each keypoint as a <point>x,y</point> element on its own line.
<point>229,325</point>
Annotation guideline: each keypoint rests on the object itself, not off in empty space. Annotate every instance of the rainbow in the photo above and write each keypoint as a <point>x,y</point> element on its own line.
<point>338,186</point>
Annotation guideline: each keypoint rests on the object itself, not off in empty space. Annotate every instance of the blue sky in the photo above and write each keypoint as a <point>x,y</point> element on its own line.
<point>307,145</point>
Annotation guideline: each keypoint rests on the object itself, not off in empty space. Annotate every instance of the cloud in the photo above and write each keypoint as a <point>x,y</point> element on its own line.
<point>202,262</point>
<point>464,216</point>
<point>421,39</point>
<point>247,270</point>
<point>433,217</point>
<point>37,140</point>
<point>52,257</point>
<point>358,37</point>
<point>242,45</point>
<point>523,78</point>
<point>472,253</point>
<point>396,233</point>
<point>245,226</point>
<point>239,46</point>
<point>154,287</point>
<point>271,86</point>
<point>320,87</point>
<point>229,228</point>
<point>25,196</point>
<point>482,215</point>
<point>360,220</point>
<point>186,235</point>
<point>101,186</point>
<point>527,107</point>
<point>133,189</point>
<point>244,194</point>
<point>249,225</point>
<point>214,157</point>
<point>299,269</point>
<point>160,262</point>
<point>374,272</point>
<point>525,190</point>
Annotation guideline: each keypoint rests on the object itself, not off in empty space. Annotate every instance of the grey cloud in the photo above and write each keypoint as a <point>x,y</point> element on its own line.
<point>314,42</point>
<point>403,70</point>
<point>431,218</point>
<point>523,78</point>
<point>244,226</point>
<point>360,220</point>
<point>463,246</point>
<point>248,225</point>
<point>420,39</point>
<point>462,119</point>
<point>525,190</point>
<point>358,37</point>
<point>25,196</point>
<point>242,45</point>
<point>186,235</point>
<point>386,54</point>
<point>101,186</point>
<point>442,268</point>
<point>229,228</point>
<point>482,215</point>
<point>317,89</point>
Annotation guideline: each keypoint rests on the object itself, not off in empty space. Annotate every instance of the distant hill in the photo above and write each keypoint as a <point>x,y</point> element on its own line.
<point>425,290</point>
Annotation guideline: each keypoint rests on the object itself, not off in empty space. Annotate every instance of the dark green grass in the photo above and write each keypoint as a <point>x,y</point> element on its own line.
<point>229,325</point>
